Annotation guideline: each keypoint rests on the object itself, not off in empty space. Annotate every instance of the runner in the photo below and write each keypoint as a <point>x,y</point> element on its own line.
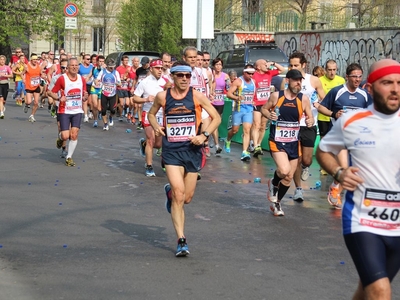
<point>95,89</point>
<point>73,92</point>
<point>141,73</point>
<point>32,85</point>
<point>370,215</point>
<point>85,70</point>
<point>5,75</point>
<point>338,101</point>
<point>123,91</point>
<point>242,92</point>
<point>182,143</point>
<point>311,87</point>
<point>285,109</point>
<point>329,81</point>
<point>60,143</point>
<point>19,70</point>
<point>222,84</point>
<point>262,78</point>
<point>109,80</point>
<point>145,94</point>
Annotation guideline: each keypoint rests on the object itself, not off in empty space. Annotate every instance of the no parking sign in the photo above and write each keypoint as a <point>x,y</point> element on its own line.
<point>70,9</point>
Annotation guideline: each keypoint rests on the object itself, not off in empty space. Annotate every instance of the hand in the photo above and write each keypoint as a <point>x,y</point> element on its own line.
<point>150,98</point>
<point>339,113</point>
<point>198,139</point>
<point>273,116</point>
<point>159,131</point>
<point>309,121</point>
<point>349,178</point>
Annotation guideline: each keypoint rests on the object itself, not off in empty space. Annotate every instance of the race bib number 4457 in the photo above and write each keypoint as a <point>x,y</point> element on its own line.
<point>380,209</point>
<point>180,128</point>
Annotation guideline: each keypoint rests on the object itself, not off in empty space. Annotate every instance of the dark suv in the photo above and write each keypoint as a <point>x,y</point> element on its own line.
<point>116,56</point>
<point>240,55</point>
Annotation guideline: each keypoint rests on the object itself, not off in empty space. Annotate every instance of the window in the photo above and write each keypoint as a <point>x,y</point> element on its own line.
<point>238,56</point>
<point>98,39</point>
<point>98,3</point>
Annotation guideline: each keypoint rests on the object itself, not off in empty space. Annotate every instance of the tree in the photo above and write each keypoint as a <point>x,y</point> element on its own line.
<point>20,19</point>
<point>154,26</point>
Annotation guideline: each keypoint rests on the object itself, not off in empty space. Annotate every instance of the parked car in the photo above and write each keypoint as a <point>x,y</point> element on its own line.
<point>116,56</point>
<point>240,55</point>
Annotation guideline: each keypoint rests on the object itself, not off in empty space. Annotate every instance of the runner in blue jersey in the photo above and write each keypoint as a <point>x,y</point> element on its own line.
<point>339,100</point>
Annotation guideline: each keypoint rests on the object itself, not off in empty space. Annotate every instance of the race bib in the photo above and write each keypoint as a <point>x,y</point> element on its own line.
<point>73,104</point>
<point>263,94</point>
<point>124,85</point>
<point>180,128</point>
<point>380,209</point>
<point>248,98</point>
<point>201,90</point>
<point>35,81</point>
<point>287,132</point>
<point>109,89</point>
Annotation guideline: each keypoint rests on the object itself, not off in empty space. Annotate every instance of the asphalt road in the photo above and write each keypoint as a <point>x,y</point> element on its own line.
<point>100,230</point>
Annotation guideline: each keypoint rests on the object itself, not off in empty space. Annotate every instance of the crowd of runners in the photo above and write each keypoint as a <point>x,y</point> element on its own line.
<point>179,108</point>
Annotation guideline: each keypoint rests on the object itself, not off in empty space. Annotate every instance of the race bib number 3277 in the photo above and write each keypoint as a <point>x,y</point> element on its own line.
<point>180,128</point>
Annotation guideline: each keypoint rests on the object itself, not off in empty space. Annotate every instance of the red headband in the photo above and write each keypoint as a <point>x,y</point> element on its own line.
<point>157,62</point>
<point>379,73</point>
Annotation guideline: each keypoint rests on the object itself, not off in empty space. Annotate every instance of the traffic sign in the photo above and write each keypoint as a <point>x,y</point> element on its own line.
<point>71,23</point>
<point>70,9</point>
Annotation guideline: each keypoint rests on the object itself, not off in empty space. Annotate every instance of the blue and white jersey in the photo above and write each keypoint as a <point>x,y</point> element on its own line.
<point>247,90</point>
<point>341,98</point>
<point>369,137</point>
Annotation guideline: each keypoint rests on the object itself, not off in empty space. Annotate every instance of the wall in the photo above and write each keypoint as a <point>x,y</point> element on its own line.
<point>363,46</point>
<point>344,46</point>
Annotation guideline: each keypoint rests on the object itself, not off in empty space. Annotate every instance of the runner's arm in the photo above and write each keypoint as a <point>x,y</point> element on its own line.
<point>159,101</point>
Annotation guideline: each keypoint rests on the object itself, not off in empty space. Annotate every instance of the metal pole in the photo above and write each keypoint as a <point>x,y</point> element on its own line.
<point>199,17</point>
<point>70,41</point>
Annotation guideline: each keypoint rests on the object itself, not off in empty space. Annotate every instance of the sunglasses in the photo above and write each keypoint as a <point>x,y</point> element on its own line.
<point>63,68</point>
<point>181,75</point>
<point>249,73</point>
<point>206,60</point>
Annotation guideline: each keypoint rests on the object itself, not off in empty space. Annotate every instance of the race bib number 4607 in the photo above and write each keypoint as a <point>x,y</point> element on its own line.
<point>380,209</point>
<point>180,128</point>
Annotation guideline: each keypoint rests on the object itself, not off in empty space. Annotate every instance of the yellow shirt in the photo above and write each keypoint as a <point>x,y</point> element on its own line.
<point>327,85</point>
<point>20,68</point>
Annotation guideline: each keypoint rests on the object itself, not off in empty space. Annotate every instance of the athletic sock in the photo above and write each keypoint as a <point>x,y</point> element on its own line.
<point>71,148</point>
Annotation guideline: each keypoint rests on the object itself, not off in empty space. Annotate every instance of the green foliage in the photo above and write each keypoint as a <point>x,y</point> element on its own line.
<point>156,25</point>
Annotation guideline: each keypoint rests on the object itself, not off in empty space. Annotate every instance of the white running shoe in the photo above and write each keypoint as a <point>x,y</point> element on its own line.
<point>31,119</point>
<point>85,119</point>
<point>298,195</point>
<point>276,209</point>
<point>305,173</point>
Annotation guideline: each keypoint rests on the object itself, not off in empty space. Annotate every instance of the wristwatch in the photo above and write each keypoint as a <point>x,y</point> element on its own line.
<point>206,134</point>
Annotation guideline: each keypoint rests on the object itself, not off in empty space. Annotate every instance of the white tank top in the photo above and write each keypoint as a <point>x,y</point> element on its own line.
<point>198,81</point>
<point>309,90</point>
<point>73,93</point>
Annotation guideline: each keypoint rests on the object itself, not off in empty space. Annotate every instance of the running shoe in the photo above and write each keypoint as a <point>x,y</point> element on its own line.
<point>272,191</point>
<point>276,209</point>
<point>198,176</point>
<point>133,120</point>
<point>31,119</point>
<point>323,172</point>
<point>168,201</point>
<point>95,124</point>
<point>111,123</point>
<point>63,153</point>
<point>121,119</point>
<point>105,127</point>
<point>140,126</point>
<point>257,151</point>
<point>251,147</point>
<point>128,117</point>
<point>69,162</point>
<point>150,171</point>
<point>305,173</point>
<point>298,195</point>
<point>59,143</point>
<point>1,115</point>
<point>85,119</point>
<point>207,151</point>
<point>334,196</point>
<point>227,146</point>
<point>53,111</point>
<point>218,150</point>
<point>182,249</point>
<point>142,147</point>
<point>90,116</point>
<point>245,156</point>
<point>26,108</point>
<point>159,152</point>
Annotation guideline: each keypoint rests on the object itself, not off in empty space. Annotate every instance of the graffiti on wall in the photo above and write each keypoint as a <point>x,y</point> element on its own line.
<point>362,51</point>
<point>243,38</point>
